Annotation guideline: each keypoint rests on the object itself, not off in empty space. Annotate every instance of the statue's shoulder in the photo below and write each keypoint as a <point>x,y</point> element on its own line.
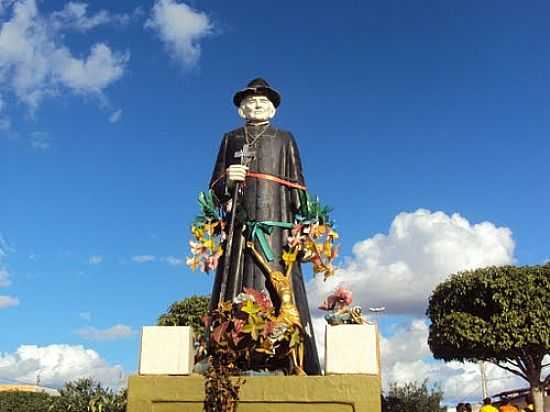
<point>235,132</point>
<point>282,132</point>
<point>285,136</point>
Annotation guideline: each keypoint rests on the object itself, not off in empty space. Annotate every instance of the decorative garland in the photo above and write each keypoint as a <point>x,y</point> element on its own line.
<point>208,231</point>
<point>312,236</point>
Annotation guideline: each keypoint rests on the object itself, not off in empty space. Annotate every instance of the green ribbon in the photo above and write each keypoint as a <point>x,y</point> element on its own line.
<point>260,230</point>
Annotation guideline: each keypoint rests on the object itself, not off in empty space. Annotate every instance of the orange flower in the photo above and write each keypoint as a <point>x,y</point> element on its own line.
<point>193,262</point>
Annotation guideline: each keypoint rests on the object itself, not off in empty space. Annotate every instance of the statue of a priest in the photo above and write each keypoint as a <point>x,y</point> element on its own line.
<point>264,163</point>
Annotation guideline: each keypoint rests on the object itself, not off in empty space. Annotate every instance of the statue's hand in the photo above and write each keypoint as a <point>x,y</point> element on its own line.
<point>235,173</point>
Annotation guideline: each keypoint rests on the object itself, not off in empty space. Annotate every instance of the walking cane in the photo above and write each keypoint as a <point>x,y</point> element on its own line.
<point>244,154</point>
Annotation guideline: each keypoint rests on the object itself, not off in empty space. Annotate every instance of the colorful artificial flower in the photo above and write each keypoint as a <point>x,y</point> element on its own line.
<point>289,257</point>
<point>207,230</point>
<point>261,298</point>
<point>340,298</point>
<point>248,325</point>
<point>193,262</point>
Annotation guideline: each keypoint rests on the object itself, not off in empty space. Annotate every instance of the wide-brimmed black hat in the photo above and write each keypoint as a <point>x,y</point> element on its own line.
<point>258,87</point>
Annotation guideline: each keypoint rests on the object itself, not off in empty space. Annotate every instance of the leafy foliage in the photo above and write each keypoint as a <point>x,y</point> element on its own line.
<point>496,314</point>
<point>209,209</point>
<point>249,329</point>
<point>86,395</point>
<point>83,395</point>
<point>25,401</point>
<point>187,312</point>
<point>412,397</point>
<point>311,210</point>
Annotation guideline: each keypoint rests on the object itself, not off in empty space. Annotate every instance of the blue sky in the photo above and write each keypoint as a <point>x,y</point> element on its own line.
<point>396,107</point>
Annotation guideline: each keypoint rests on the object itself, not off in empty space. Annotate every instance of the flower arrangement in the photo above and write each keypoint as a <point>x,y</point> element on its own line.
<point>340,311</point>
<point>208,233</point>
<point>248,327</point>
<point>312,236</point>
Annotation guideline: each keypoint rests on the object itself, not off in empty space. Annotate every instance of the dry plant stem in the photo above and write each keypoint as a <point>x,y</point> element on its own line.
<point>221,388</point>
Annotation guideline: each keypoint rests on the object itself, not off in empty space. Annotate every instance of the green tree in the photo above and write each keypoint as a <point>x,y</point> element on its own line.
<point>24,401</point>
<point>187,312</point>
<point>495,314</point>
<point>86,395</point>
<point>412,397</point>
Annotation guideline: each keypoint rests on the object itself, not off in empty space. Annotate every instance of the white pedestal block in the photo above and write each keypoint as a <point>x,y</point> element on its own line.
<point>166,350</point>
<point>352,349</point>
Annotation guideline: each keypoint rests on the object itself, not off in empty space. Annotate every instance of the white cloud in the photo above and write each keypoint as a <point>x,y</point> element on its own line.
<point>93,74</point>
<point>4,246</point>
<point>4,4</point>
<point>406,357</point>
<point>144,259</point>
<point>170,260</point>
<point>173,261</point>
<point>86,316</point>
<point>399,270</point>
<point>113,333</point>
<point>407,344</point>
<point>180,28</point>
<point>5,123</point>
<point>57,364</point>
<point>75,16</point>
<point>35,63</point>
<point>40,141</point>
<point>5,280</point>
<point>7,301</point>
<point>115,116</point>
<point>95,260</point>
<point>4,277</point>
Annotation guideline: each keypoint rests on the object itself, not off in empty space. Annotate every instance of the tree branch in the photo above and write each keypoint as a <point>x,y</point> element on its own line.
<point>514,371</point>
<point>522,362</point>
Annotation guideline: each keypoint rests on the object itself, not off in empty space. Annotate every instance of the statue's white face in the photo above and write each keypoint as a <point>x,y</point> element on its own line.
<point>256,109</point>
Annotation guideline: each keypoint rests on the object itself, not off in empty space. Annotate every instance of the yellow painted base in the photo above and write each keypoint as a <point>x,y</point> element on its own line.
<point>337,393</point>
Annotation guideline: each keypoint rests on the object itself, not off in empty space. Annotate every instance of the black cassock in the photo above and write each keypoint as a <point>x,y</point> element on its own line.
<point>276,154</point>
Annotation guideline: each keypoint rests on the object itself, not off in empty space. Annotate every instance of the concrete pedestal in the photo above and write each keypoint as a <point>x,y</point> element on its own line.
<point>166,350</point>
<point>341,393</point>
<point>351,349</point>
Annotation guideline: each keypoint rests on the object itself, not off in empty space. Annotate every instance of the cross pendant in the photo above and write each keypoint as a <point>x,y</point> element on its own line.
<point>246,154</point>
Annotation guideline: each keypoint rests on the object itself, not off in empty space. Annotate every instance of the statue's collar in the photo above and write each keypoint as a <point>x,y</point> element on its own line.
<point>257,125</point>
